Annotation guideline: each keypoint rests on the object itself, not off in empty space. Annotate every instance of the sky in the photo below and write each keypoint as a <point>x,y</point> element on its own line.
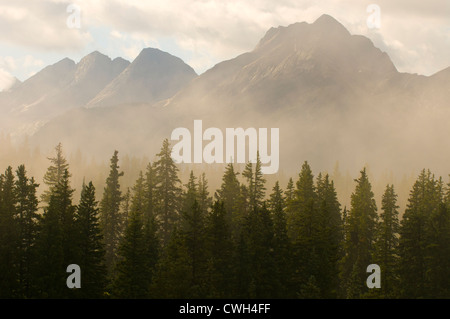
<point>37,33</point>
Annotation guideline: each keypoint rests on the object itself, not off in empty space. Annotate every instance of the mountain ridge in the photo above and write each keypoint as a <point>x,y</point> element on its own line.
<point>334,96</point>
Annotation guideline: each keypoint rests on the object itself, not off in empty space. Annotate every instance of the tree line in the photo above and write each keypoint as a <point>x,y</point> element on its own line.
<point>163,239</point>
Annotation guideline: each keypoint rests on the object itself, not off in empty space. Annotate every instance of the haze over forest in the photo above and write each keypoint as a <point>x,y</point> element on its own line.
<point>337,99</point>
<point>362,180</point>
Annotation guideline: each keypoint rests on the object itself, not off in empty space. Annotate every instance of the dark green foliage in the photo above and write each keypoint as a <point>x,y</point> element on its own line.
<point>57,242</point>
<point>54,172</point>
<point>138,251</point>
<point>281,243</point>
<point>258,235</point>
<point>303,228</point>
<point>150,192</point>
<point>169,242</point>
<point>255,184</point>
<point>193,232</point>
<point>111,218</point>
<point>9,235</point>
<point>167,192</point>
<point>386,244</point>
<point>424,250</point>
<point>329,238</point>
<point>91,258</point>
<point>229,190</point>
<point>359,238</point>
<point>219,245</point>
<point>173,276</point>
<point>28,227</point>
<point>204,200</point>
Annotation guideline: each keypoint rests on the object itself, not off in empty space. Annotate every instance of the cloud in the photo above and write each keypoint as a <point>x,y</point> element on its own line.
<point>209,31</point>
<point>40,25</point>
<point>6,80</point>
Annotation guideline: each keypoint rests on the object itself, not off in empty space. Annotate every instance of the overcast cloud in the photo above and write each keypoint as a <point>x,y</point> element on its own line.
<point>416,34</point>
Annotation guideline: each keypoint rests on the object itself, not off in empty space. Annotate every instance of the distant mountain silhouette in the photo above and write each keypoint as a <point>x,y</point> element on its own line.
<point>334,96</point>
<point>153,76</point>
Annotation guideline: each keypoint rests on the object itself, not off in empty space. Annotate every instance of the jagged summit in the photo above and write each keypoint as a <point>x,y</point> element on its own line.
<point>152,76</point>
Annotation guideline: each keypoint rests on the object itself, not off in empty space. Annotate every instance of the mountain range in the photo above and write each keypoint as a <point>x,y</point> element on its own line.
<point>334,96</point>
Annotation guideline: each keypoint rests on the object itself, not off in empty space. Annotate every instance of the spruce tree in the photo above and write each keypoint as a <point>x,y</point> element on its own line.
<point>138,201</point>
<point>422,243</point>
<point>255,183</point>
<point>228,194</point>
<point>9,239</point>
<point>132,272</point>
<point>303,229</point>
<point>258,234</point>
<point>91,257</point>
<point>150,192</point>
<point>281,243</point>
<point>386,243</point>
<point>190,195</point>
<point>111,218</point>
<point>329,238</point>
<point>193,232</point>
<point>167,191</point>
<point>54,172</point>
<point>173,276</point>
<point>360,236</point>
<point>220,253</point>
<point>57,244</point>
<point>289,193</point>
<point>28,227</point>
<point>204,200</point>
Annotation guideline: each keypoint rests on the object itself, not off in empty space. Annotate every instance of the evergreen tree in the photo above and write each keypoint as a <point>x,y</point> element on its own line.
<point>57,242</point>
<point>167,192</point>
<point>133,274</point>
<point>360,236</point>
<point>281,243</point>
<point>111,218</point>
<point>91,257</point>
<point>54,172</point>
<point>28,219</point>
<point>289,193</point>
<point>422,240</point>
<point>193,233</point>
<point>228,194</point>
<point>204,200</point>
<point>125,207</point>
<point>302,224</point>
<point>255,183</point>
<point>190,195</point>
<point>173,277</point>
<point>138,250</point>
<point>9,239</point>
<point>150,192</point>
<point>138,201</point>
<point>65,208</point>
<point>329,238</point>
<point>259,237</point>
<point>386,244</point>
<point>220,253</point>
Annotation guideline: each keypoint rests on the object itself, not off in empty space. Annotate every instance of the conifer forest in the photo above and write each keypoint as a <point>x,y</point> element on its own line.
<point>167,238</point>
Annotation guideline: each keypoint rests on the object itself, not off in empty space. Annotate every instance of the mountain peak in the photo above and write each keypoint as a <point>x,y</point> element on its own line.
<point>95,55</point>
<point>326,19</point>
<point>152,76</point>
<point>328,24</point>
<point>325,27</point>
